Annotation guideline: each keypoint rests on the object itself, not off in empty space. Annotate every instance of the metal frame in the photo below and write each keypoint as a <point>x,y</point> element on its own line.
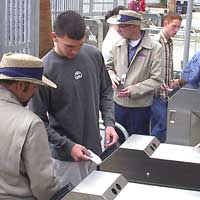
<point>3,26</point>
<point>85,7</point>
<point>20,22</point>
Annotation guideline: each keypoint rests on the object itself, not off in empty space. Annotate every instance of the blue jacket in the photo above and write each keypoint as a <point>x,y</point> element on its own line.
<point>191,72</point>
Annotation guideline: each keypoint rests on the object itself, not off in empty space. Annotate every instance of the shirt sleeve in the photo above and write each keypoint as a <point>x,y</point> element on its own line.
<point>40,105</point>
<point>37,162</point>
<point>106,97</point>
<point>109,62</point>
<point>191,72</point>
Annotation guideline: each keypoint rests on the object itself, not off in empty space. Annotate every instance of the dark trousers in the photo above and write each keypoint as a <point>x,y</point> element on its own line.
<point>134,120</point>
<point>159,118</point>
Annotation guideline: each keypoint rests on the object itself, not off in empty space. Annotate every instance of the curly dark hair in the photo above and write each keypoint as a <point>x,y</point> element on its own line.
<point>70,24</point>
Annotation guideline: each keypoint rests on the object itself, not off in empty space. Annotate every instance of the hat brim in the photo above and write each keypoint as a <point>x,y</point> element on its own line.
<point>45,81</point>
<point>114,20</point>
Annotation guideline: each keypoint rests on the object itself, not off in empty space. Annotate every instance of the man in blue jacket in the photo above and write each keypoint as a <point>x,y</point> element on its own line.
<point>191,72</point>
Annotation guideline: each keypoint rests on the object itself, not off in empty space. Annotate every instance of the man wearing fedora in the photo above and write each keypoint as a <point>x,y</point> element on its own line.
<point>135,69</point>
<point>26,167</point>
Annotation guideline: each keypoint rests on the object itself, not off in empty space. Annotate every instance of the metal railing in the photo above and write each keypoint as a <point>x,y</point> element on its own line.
<point>58,6</point>
<point>19,20</point>
<point>85,7</point>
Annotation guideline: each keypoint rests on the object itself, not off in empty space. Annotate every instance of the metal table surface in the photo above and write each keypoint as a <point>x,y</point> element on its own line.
<point>177,152</point>
<point>143,192</point>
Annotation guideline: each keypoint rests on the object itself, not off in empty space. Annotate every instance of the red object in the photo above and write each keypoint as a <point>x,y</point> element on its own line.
<point>134,5</point>
<point>142,5</point>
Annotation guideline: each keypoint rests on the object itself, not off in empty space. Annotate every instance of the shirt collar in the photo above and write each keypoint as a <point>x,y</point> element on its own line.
<point>134,43</point>
<point>165,37</point>
<point>6,95</point>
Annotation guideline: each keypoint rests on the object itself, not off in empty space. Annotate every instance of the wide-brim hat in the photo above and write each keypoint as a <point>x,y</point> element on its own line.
<point>23,67</point>
<point>126,17</point>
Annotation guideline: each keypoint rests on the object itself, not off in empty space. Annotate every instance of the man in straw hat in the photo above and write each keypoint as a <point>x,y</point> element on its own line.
<point>84,88</point>
<point>135,69</point>
<point>26,167</point>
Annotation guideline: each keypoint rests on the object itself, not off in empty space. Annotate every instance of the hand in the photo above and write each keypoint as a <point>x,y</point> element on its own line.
<point>79,153</point>
<point>111,136</point>
<point>164,87</point>
<point>125,92</point>
<point>115,80</point>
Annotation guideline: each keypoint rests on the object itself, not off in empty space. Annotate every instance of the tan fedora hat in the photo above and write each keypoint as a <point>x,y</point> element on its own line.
<point>23,67</point>
<point>126,17</point>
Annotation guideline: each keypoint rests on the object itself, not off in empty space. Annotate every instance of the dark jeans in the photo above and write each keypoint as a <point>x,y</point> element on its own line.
<point>134,120</point>
<point>159,118</point>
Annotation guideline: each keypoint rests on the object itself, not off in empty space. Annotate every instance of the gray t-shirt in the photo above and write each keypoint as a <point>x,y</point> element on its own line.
<point>84,88</point>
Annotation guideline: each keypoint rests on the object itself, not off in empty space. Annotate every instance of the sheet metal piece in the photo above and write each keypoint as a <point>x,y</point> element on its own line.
<point>98,186</point>
<point>143,159</point>
<point>183,123</point>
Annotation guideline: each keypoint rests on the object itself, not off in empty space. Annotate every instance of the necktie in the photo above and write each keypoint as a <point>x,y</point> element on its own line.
<point>131,53</point>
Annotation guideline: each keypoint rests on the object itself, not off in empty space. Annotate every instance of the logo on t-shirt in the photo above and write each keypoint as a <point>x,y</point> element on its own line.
<point>78,75</point>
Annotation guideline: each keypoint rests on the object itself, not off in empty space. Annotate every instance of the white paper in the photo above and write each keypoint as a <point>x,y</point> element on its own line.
<point>94,158</point>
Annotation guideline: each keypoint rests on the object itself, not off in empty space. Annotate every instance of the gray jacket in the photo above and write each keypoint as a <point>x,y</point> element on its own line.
<point>26,169</point>
<point>143,75</point>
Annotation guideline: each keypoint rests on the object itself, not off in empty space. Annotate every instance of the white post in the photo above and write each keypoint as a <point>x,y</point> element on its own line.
<point>187,32</point>
<point>3,26</point>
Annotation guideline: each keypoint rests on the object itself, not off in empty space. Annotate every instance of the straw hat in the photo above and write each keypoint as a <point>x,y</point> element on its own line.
<point>23,67</point>
<point>126,17</point>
